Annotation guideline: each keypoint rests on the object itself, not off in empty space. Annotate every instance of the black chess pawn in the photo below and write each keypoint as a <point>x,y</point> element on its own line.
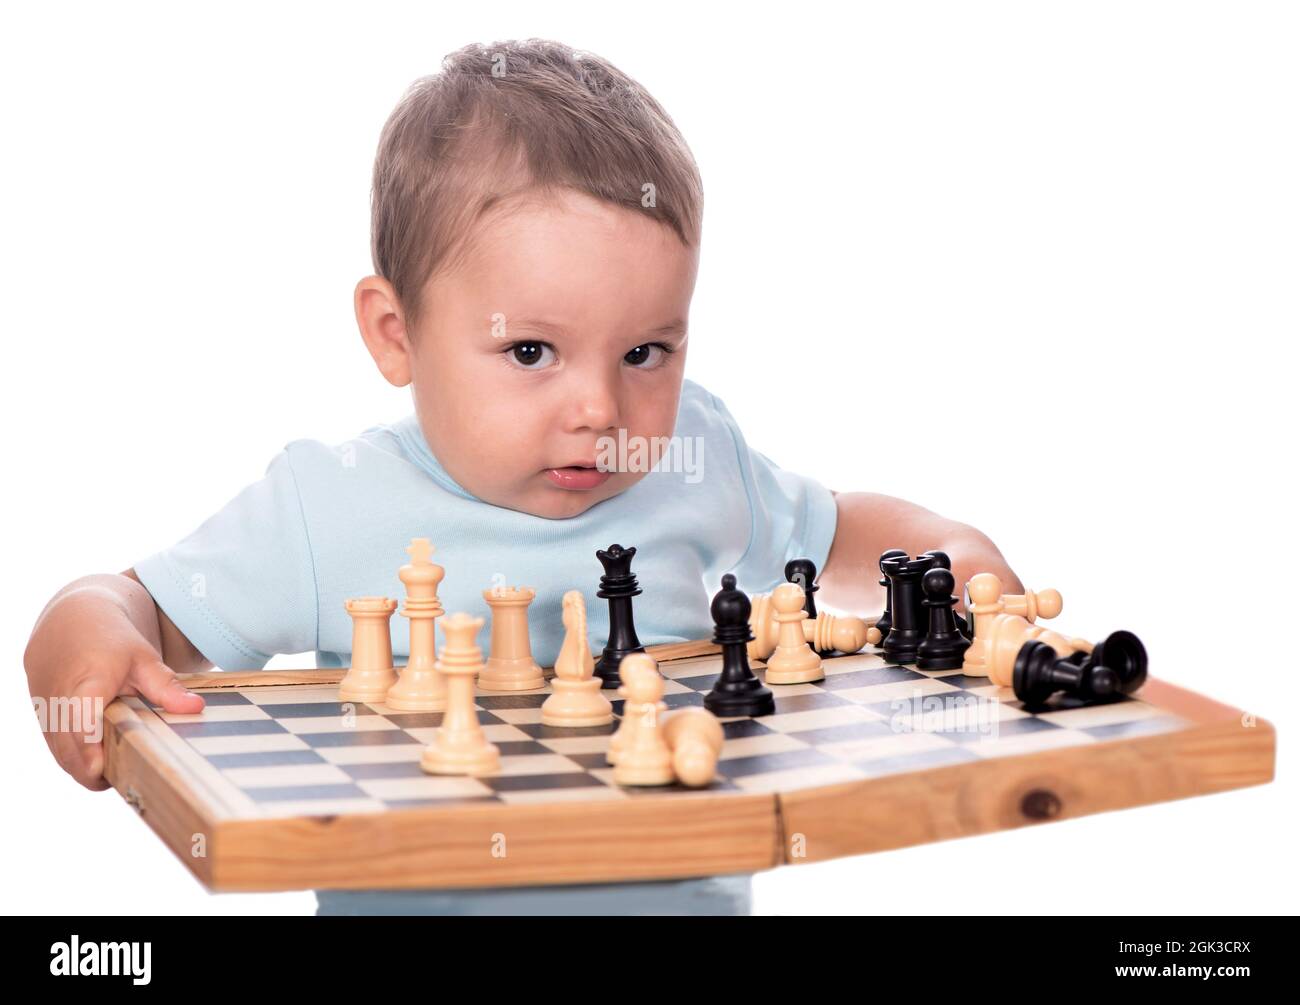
<point>737,691</point>
<point>943,647</point>
<point>804,572</point>
<point>618,586</point>
<point>1039,673</point>
<point>1123,653</point>
<point>886,620</point>
<point>942,561</point>
<point>907,631</point>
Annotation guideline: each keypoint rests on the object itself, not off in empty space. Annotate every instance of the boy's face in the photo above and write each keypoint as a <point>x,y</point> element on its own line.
<point>564,323</point>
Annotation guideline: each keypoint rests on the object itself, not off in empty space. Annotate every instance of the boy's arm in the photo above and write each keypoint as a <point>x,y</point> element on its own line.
<point>178,652</point>
<point>869,523</point>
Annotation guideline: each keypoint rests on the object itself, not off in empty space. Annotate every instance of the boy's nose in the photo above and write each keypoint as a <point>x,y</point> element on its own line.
<point>595,406</point>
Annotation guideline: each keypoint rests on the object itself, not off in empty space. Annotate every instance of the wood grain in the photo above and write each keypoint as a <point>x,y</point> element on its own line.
<point>490,846</point>
<point>152,784</point>
<point>1223,751</point>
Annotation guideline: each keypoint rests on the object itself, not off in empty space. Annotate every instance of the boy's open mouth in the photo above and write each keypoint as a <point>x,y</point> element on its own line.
<point>577,477</point>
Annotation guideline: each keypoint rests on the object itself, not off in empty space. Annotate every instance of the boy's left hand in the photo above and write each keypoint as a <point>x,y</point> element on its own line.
<point>869,523</point>
<point>969,560</point>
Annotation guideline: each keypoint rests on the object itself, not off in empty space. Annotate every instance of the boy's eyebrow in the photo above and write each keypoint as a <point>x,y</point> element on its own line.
<point>534,324</point>
<point>676,327</point>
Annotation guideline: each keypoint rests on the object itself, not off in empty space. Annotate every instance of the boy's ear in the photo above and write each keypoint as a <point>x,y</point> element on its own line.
<point>383,329</point>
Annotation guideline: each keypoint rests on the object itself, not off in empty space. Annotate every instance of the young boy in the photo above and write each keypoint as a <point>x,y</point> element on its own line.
<point>535,231</point>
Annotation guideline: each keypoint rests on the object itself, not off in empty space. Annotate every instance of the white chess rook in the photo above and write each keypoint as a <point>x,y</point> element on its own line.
<point>510,665</point>
<point>371,673</point>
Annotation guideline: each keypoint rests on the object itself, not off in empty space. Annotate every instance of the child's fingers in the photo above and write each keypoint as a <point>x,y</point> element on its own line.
<point>157,682</point>
<point>73,727</point>
<point>92,763</point>
<point>79,756</point>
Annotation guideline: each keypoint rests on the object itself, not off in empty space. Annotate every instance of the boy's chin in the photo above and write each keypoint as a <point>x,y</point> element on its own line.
<point>553,503</point>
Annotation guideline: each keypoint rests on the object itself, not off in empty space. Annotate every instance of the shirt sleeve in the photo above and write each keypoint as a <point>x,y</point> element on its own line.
<point>242,587</point>
<point>792,515</point>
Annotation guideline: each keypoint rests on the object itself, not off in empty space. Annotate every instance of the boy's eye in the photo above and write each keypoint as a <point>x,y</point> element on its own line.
<point>532,355</point>
<point>647,356</point>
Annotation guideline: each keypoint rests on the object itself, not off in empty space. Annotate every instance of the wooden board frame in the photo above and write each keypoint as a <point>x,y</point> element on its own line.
<point>698,834</point>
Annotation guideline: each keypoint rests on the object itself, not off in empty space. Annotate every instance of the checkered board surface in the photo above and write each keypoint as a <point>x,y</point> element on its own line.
<point>294,750</point>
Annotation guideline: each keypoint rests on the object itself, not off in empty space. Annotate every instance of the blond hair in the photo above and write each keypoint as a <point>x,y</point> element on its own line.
<point>511,118</point>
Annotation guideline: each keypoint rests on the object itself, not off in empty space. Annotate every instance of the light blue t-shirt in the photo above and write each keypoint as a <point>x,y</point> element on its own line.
<point>269,573</point>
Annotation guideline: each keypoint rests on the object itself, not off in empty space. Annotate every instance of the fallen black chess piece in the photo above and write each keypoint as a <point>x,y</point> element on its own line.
<point>1116,666</point>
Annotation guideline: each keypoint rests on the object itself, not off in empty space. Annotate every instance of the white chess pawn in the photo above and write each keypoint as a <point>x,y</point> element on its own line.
<point>1033,604</point>
<point>826,632</point>
<point>695,737</point>
<point>762,625</point>
<point>984,602</point>
<point>633,713</point>
<point>644,757</point>
<point>837,632</point>
<point>460,746</point>
<point>793,661</point>
<point>577,699</point>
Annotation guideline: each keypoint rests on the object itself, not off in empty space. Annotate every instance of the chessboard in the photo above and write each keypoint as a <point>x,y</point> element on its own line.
<point>278,785</point>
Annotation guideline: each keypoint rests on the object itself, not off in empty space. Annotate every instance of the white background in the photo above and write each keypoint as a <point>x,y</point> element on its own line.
<point>1031,265</point>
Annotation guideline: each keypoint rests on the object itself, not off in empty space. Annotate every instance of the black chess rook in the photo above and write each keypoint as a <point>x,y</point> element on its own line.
<point>907,631</point>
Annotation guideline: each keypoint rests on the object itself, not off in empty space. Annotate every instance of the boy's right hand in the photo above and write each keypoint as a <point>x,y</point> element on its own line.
<point>97,639</point>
